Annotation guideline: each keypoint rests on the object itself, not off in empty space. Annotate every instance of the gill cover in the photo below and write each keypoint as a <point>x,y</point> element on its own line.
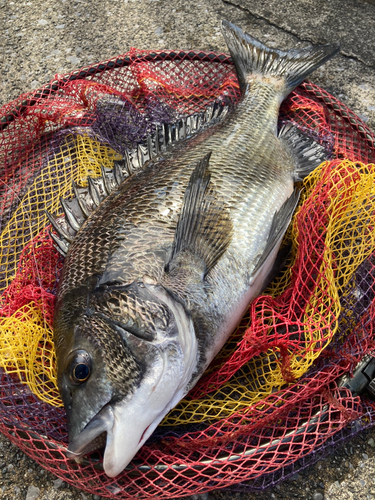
<point>166,360</point>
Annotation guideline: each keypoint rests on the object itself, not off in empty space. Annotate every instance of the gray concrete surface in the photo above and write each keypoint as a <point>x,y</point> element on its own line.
<point>41,38</point>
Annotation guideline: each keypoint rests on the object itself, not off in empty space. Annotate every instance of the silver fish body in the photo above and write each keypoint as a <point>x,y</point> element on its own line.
<point>159,275</point>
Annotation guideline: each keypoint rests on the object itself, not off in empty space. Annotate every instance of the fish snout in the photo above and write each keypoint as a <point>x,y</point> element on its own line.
<point>125,425</point>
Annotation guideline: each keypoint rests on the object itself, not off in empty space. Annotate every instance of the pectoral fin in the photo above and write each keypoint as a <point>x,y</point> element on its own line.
<point>204,229</point>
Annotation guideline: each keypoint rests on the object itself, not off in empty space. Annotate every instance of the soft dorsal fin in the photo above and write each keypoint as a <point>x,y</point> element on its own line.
<point>204,229</point>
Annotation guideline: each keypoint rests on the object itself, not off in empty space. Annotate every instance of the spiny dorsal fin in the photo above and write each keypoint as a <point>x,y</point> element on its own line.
<point>118,174</point>
<point>77,209</point>
<point>87,199</point>
<point>140,156</point>
<point>204,229</point>
<point>57,224</point>
<point>61,245</point>
<point>307,153</point>
<point>62,229</point>
<point>70,215</point>
<point>169,134</point>
<point>94,193</point>
<point>77,196</point>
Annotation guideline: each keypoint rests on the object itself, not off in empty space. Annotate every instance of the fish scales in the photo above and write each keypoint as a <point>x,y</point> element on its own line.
<point>167,264</point>
<point>123,238</point>
<point>242,176</point>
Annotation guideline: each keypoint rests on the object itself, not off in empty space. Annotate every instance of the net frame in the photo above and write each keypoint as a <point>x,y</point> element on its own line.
<point>335,402</point>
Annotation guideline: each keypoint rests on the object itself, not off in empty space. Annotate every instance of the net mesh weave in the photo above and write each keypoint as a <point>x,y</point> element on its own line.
<point>270,398</point>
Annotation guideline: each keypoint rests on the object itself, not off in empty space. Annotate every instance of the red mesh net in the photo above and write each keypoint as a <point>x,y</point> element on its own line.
<point>271,397</point>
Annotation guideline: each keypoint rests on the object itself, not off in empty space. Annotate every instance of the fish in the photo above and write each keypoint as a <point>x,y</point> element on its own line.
<point>160,273</point>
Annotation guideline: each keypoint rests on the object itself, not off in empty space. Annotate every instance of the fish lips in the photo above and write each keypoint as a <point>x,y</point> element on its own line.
<point>127,425</point>
<point>92,436</point>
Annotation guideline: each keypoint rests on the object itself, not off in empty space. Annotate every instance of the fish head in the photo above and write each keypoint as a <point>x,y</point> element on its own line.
<point>129,362</point>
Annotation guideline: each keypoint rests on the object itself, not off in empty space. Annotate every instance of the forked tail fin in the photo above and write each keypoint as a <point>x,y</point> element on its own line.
<point>252,57</point>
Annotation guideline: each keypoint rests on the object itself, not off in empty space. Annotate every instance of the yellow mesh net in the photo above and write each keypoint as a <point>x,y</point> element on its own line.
<point>26,348</point>
<point>54,181</point>
<point>337,205</point>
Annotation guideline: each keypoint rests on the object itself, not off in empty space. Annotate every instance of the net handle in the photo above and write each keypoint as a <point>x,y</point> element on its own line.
<point>54,86</point>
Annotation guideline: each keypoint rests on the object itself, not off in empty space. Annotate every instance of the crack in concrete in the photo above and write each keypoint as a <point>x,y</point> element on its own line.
<point>295,35</point>
<point>268,21</point>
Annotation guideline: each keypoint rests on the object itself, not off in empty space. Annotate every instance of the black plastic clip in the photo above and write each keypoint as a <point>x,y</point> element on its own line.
<point>363,378</point>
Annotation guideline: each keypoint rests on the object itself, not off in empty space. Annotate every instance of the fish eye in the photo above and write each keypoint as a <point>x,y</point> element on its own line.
<point>81,372</point>
<point>80,367</point>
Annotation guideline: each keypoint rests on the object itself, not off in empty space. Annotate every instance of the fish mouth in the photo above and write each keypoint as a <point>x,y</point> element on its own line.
<point>93,436</point>
<point>122,429</point>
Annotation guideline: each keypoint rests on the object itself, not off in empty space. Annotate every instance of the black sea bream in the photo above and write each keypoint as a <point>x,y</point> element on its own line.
<point>160,273</point>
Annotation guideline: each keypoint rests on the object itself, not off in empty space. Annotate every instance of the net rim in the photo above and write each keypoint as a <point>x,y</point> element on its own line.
<point>194,55</point>
<point>144,55</point>
<point>116,62</point>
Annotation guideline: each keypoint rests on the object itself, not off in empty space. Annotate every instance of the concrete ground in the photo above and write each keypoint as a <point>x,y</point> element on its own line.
<point>41,38</point>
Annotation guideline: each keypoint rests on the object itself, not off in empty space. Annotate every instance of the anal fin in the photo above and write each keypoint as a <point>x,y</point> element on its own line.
<point>307,153</point>
<point>279,225</point>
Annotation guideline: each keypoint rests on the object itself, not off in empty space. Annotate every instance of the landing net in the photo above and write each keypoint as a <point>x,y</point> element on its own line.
<point>271,396</point>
